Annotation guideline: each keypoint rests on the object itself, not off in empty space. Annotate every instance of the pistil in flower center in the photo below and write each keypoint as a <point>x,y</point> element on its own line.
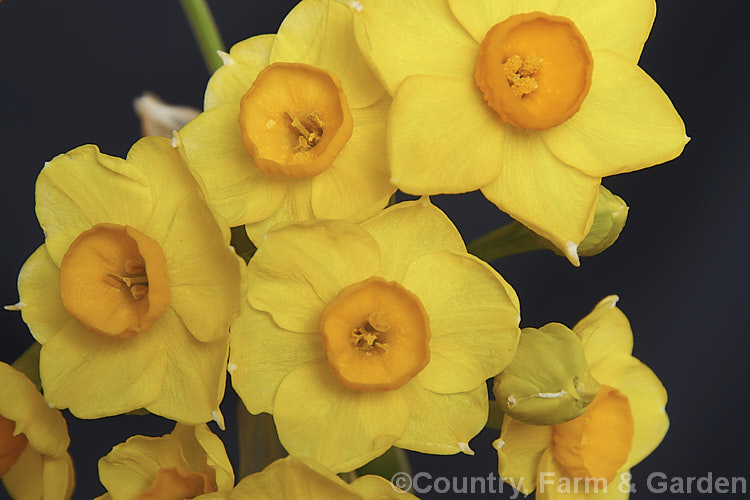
<point>520,74</point>
<point>135,279</point>
<point>310,131</point>
<point>369,337</point>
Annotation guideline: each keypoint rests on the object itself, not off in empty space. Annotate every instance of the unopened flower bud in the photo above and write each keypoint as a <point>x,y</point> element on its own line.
<point>609,220</point>
<point>548,381</point>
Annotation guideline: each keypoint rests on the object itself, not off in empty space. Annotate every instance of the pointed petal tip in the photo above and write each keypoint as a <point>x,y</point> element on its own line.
<point>464,447</point>
<point>225,58</point>
<point>498,444</point>
<point>571,252</point>
<point>218,418</point>
<point>15,307</point>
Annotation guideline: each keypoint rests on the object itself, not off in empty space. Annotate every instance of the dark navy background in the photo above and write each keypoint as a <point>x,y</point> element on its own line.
<point>68,74</point>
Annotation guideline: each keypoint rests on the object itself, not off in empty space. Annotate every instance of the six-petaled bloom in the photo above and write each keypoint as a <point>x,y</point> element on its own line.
<point>360,337</point>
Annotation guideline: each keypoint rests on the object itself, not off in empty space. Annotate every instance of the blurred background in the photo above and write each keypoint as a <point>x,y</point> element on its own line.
<point>69,72</point>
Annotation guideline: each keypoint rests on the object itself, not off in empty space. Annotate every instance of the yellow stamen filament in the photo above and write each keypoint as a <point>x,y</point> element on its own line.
<point>309,134</point>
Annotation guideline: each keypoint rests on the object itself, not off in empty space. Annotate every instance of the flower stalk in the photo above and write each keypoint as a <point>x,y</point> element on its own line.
<point>206,33</point>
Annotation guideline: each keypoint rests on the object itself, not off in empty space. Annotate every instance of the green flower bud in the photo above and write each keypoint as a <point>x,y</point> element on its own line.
<point>548,381</point>
<point>609,220</point>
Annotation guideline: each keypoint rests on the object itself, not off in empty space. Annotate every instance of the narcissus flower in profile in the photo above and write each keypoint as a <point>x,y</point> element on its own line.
<point>133,291</point>
<point>360,337</point>
<point>594,451</point>
<point>533,102</point>
<point>294,126</point>
<point>34,459</point>
<point>295,478</point>
<point>186,463</point>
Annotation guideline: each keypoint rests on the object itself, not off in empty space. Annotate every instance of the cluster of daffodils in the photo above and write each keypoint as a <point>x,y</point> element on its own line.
<point>359,324</point>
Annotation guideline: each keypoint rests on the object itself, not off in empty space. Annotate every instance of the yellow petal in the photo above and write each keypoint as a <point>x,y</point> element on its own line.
<point>535,188</point>
<point>296,206</point>
<point>478,16</point>
<point>262,354</point>
<point>195,376</point>
<point>553,481</point>
<point>301,267</point>
<point>128,470</point>
<point>605,331</point>
<point>474,319</point>
<point>442,137</point>
<point>320,33</point>
<point>292,478</point>
<point>625,123</point>
<point>359,175</point>
<point>647,398</point>
<point>377,488</point>
<point>241,66</point>
<point>340,428</point>
<point>408,230</point>
<point>443,424</point>
<point>614,25</point>
<point>39,292</point>
<point>44,427</point>
<point>202,448</point>
<point>77,367</point>
<point>413,37</point>
<point>84,187</point>
<point>204,273</point>
<point>238,191</point>
<point>25,479</point>
<point>58,478</point>
<point>519,450</point>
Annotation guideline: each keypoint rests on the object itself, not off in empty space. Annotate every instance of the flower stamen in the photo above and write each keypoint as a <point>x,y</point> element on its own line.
<point>520,74</point>
<point>310,132</point>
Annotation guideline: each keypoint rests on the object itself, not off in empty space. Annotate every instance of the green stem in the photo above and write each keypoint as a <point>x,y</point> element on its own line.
<point>510,239</point>
<point>28,364</point>
<point>387,465</point>
<point>258,442</point>
<point>206,33</point>
<point>495,419</point>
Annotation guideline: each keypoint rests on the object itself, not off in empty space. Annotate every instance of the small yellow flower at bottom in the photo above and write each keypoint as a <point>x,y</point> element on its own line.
<point>591,455</point>
<point>360,337</point>
<point>34,461</point>
<point>188,462</point>
<point>294,478</point>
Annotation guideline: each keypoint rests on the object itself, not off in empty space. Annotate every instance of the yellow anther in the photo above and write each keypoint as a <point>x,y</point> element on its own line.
<point>138,291</point>
<point>131,281</point>
<point>520,74</point>
<point>379,322</point>
<point>113,280</point>
<point>135,266</point>
<point>310,132</point>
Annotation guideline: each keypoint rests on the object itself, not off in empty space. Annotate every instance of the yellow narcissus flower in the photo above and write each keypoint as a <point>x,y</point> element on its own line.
<point>294,126</point>
<point>360,337</point>
<point>590,456</point>
<point>186,463</point>
<point>295,478</point>
<point>34,460</point>
<point>132,294</point>
<point>531,101</point>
